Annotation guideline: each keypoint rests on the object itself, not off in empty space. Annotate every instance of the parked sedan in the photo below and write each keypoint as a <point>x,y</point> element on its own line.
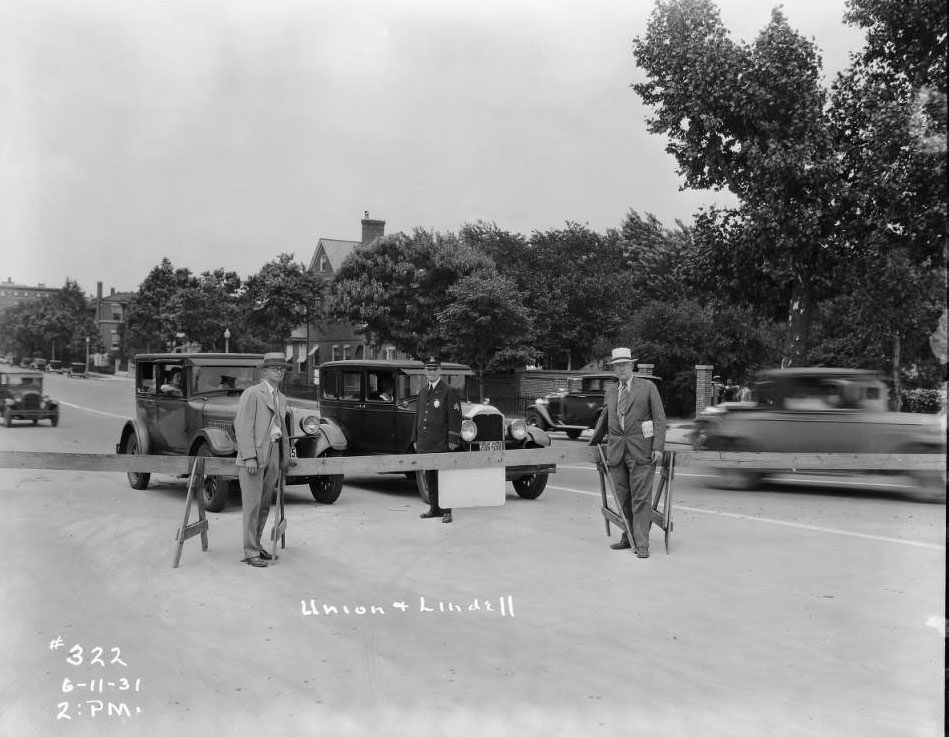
<point>373,405</point>
<point>816,410</point>
<point>185,404</point>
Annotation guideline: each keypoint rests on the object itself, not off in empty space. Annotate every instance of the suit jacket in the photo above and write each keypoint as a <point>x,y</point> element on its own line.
<point>437,418</point>
<point>644,404</point>
<point>256,411</point>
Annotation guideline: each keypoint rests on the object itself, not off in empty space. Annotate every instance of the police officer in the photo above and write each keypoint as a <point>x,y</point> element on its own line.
<point>437,428</point>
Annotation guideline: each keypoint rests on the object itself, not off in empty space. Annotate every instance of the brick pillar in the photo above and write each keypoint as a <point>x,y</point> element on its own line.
<point>703,387</point>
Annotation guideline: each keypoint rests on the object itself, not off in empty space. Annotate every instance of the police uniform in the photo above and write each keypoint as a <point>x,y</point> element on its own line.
<point>437,423</point>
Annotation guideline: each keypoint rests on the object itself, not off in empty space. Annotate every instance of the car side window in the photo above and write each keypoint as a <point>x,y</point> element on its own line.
<point>146,378</point>
<point>352,385</point>
<point>329,384</point>
<point>380,386</point>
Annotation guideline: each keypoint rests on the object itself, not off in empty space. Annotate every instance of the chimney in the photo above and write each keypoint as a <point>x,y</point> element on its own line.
<point>99,290</point>
<point>112,292</point>
<point>372,229</point>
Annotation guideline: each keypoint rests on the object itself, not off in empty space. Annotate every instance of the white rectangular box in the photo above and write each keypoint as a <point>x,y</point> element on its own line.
<point>471,487</point>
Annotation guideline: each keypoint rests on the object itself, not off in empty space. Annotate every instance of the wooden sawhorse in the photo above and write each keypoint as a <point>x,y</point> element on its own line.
<point>199,527</point>
<point>662,497</point>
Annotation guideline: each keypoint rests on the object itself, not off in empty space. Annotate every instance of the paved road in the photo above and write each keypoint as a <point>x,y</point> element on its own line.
<point>795,609</point>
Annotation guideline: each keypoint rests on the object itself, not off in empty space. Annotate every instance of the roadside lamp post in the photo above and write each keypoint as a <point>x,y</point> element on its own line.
<point>87,353</point>
<point>227,340</point>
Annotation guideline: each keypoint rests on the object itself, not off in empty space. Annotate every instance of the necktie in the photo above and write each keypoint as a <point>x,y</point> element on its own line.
<point>622,404</point>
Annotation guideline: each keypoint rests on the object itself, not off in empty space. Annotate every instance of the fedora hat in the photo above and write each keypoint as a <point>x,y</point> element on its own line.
<point>274,360</point>
<point>621,355</point>
<point>432,362</point>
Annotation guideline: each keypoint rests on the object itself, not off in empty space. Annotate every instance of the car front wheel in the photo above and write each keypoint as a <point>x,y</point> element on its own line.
<point>137,481</point>
<point>530,487</point>
<point>216,489</point>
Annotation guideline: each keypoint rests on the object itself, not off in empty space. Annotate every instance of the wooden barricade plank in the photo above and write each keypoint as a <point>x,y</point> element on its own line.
<point>181,465</point>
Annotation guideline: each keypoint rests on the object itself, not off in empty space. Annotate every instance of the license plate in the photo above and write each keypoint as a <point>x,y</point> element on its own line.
<point>491,446</point>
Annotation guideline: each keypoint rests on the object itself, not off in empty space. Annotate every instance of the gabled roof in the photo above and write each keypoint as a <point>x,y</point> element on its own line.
<point>336,252</point>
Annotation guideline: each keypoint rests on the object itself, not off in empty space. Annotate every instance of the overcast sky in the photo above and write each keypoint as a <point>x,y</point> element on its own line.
<point>224,132</point>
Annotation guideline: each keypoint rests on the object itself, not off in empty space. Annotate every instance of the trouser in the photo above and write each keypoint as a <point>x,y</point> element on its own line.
<point>257,492</point>
<point>633,482</point>
<point>430,480</point>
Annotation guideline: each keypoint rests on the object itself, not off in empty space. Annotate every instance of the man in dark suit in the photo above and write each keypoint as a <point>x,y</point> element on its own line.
<point>263,452</point>
<point>437,428</point>
<point>636,423</point>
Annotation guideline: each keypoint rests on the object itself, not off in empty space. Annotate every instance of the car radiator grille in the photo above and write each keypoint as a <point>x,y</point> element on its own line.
<point>30,401</point>
<point>490,427</point>
<point>222,423</point>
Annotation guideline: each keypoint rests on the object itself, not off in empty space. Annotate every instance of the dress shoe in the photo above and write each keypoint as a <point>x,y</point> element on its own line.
<point>266,556</point>
<point>621,545</point>
<point>446,517</point>
<point>256,562</point>
<point>642,552</point>
<point>431,513</point>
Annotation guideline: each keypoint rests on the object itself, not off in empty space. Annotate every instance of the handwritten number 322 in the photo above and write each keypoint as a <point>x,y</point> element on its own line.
<point>75,656</point>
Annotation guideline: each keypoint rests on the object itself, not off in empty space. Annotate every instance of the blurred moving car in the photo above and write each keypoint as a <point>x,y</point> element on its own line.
<point>21,391</point>
<point>373,404</point>
<point>194,415</point>
<point>576,408</point>
<point>816,410</point>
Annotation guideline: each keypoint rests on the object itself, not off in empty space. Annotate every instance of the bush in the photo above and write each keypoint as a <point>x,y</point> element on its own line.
<point>928,401</point>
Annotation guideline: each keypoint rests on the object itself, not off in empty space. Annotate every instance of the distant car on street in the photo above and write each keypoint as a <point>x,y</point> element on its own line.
<point>39,364</point>
<point>21,391</point>
<point>816,410</point>
<point>77,369</point>
<point>576,408</point>
<point>54,367</point>
<point>373,404</point>
<point>194,415</point>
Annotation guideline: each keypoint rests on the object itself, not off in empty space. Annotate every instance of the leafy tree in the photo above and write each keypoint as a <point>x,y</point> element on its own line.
<point>282,295</point>
<point>750,118</point>
<point>155,318</point>
<point>676,336</point>
<point>486,325</point>
<point>55,323</point>
<point>396,287</point>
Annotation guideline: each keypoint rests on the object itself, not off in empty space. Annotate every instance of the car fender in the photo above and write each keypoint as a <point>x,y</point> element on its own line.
<point>542,410</point>
<point>330,437</point>
<point>217,439</point>
<point>537,436</point>
<point>138,429</point>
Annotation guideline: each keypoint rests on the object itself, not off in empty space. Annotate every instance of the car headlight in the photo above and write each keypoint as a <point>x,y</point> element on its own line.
<point>469,430</point>
<point>541,402</point>
<point>518,429</point>
<point>310,424</point>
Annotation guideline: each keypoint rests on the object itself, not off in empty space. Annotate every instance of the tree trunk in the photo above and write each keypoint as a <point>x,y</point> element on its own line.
<point>799,320</point>
<point>895,367</point>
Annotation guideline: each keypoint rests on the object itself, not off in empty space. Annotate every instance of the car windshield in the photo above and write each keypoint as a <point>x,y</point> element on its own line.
<point>411,384</point>
<point>23,382</point>
<point>206,379</point>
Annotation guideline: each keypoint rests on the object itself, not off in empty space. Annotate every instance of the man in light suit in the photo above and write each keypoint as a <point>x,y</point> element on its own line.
<point>636,423</point>
<point>263,452</point>
<point>437,428</point>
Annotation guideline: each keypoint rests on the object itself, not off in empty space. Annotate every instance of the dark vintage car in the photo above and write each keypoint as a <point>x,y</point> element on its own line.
<point>576,408</point>
<point>816,410</point>
<point>21,391</point>
<point>193,414</point>
<point>373,403</point>
<point>54,367</point>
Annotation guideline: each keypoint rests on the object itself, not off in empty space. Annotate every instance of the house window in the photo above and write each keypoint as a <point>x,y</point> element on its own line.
<point>336,352</point>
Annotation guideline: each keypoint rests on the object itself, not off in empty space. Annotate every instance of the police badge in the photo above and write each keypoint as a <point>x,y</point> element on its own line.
<point>437,404</point>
